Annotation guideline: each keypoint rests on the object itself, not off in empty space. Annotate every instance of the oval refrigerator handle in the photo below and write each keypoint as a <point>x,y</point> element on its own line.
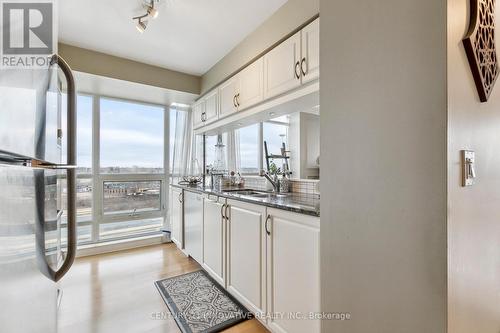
<point>71,172</point>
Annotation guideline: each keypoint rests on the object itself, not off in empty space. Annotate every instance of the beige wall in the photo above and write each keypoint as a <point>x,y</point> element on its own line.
<point>290,16</point>
<point>101,64</point>
<point>383,165</point>
<point>474,212</point>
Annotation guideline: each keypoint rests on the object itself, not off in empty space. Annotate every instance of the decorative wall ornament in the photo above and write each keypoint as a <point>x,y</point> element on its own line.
<point>480,46</point>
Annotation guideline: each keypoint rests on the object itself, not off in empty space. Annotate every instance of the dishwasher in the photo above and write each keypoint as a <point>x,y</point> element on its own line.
<point>193,225</point>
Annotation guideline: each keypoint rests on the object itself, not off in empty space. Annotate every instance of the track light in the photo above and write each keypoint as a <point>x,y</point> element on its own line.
<point>141,25</point>
<point>151,11</point>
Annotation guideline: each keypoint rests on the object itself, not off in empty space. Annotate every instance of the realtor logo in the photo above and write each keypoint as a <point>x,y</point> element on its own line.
<point>27,33</point>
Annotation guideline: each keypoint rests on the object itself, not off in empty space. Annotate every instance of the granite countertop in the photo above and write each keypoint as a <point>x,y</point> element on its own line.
<point>307,204</point>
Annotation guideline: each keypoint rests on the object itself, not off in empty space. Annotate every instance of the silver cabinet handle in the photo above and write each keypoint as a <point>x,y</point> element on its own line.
<point>180,197</point>
<point>222,212</point>
<point>234,101</point>
<point>304,62</point>
<point>226,214</point>
<point>238,100</point>
<point>268,232</point>
<point>297,70</point>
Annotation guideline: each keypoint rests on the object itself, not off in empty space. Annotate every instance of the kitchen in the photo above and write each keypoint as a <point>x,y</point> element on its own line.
<point>242,218</point>
<point>187,166</point>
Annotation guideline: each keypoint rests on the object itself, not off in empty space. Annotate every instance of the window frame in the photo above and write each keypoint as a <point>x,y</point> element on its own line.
<point>260,151</point>
<point>98,179</point>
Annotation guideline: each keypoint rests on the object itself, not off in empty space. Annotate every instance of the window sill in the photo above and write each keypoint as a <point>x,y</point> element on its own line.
<point>120,245</point>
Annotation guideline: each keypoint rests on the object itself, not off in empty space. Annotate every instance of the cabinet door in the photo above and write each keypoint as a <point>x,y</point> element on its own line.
<point>293,270</point>
<point>310,52</point>
<point>211,106</point>
<point>227,96</point>
<point>198,114</point>
<point>246,254</point>
<point>193,225</point>
<point>251,85</point>
<point>213,238</point>
<point>281,72</point>
<point>177,217</point>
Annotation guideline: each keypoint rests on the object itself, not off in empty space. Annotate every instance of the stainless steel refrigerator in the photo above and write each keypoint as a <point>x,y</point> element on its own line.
<point>37,191</point>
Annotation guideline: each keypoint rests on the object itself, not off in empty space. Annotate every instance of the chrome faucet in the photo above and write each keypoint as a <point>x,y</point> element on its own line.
<point>275,182</point>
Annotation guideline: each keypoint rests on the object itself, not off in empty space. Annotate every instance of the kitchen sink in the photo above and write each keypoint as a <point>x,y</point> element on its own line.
<point>257,194</point>
<point>247,192</point>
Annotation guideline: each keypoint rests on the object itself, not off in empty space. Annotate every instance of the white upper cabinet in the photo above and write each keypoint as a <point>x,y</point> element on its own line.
<point>282,67</point>
<point>251,85</point>
<point>286,67</point>
<point>310,52</point>
<point>211,107</point>
<point>227,96</point>
<point>198,114</point>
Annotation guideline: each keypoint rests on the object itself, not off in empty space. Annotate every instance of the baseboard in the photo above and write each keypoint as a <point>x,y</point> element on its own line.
<point>120,245</point>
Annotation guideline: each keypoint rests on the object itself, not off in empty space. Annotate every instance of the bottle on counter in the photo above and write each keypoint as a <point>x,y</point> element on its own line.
<point>285,183</point>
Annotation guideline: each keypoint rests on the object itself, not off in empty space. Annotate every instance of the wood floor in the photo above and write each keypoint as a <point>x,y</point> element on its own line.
<point>115,293</point>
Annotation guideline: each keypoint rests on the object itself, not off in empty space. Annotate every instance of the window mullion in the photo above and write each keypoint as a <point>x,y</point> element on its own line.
<point>261,146</point>
<point>97,185</point>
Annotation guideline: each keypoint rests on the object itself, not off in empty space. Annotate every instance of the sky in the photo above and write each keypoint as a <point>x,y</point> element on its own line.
<point>130,134</point>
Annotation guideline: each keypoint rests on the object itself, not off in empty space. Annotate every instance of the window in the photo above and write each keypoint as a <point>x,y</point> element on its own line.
<point>84,183</point>
<point>249,149</point>
<point>131,197</point>
<point>216,152</point>
<point>171,141</point>
<point>275,133</point>
<point>131,137</point>
<point>132,173</point>
<point>124,196</point>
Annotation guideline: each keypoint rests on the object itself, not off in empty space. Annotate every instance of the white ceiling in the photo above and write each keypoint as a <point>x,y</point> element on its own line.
<point>188,36</point>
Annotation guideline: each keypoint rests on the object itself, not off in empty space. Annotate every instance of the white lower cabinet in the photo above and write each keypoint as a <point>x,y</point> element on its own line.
<point>177,217</point>
<point>246,259</point>
<point>266,258</point>
<point>214,246</point>
<point>293,276</point>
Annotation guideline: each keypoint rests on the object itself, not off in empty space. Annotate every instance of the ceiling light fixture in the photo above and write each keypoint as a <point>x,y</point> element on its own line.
<point>151,11</point>
<point>141,25</point>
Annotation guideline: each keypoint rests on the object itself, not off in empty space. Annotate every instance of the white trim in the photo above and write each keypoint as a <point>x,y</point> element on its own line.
<point>119,245</point>
<point>96,153</point>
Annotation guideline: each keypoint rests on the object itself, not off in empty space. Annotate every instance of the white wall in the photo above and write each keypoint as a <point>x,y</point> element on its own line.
<point>474,212</point>
<point>383,165</point>
<point>290,16</point>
